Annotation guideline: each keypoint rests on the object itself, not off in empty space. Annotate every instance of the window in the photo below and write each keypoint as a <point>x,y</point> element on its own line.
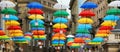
<point>117,36</point>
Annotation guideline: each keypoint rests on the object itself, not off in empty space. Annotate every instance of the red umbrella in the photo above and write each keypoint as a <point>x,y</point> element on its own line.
<point>14,28</point>
<point>35,11</point>
<point>105,28</point>
<point>58,30</point>
<point>87,13</point>
<point>1,33</point>
<point>38,32</point>
<point>79,40</point>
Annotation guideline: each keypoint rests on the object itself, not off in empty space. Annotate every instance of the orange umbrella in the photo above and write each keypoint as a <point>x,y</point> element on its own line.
<point>103,31</point>
<point>59,35</point>
<point>38,32</point>
<point>79,40</point>
<point>1,33</point>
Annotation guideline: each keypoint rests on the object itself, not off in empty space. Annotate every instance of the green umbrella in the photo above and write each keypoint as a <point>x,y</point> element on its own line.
<point>82,31</point>
<point>9,11</point>
<point>113,11</point>
<point>40,25</point>
<point>60,13</point>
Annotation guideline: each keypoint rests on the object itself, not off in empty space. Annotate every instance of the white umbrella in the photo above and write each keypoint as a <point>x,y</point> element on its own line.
<point>70,36</point>
<point>7,4</point>
<point>60,6</point>
<point>114,4</point>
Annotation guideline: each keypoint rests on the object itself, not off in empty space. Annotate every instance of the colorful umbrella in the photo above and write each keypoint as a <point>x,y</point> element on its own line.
<point>105,28</point>
<point>70,36</point>
<point>15,31</point>
<point>102,35</point>
<point>38,32</point>
<point>83,35</point>
<point>82,31</point>
<point>36,16</point>
<point>34,5</point>
<point>61,13</point>
<point>37,29</point>
<point>94,43</point>
<point>87,13</point>
<point>37,22</point>
<point>60,20</point>
<point>79,40</point>
<point>37,26</point>
<point>1,33</point>
<point>89,5</point>
<point>58,30</point>
<point>9,11</point>
<point>12,22</point>
<point>60,25</point>
<point>111,17</point>
<point>98,39</point>
<point>35,11</point>
<point>60,6</point>
<point>75,45</point>
<point>113,11</point>
<point>84,26</point>
<point>114,4</point>
<point>108,23</point>
<point>85,21</point>
<point>104,31</point>
<point>14,28</point>
<point>10,17</point>
<point>4,4</point>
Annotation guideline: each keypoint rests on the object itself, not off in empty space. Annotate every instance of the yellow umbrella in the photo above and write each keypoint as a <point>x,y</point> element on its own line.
<point>60,25</point>
<point>15,31</point>
<point>36,17</point>
<point>108,23</point>
<point>102,35</point>
<point>85,21</point>
<point>94,43</point>
<point>12,22</point>
<point>16,34</point>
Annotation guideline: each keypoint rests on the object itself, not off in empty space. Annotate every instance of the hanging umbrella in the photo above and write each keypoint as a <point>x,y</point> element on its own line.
<point>113,11</point>
<point>85,21</point>
<point>37,26</point>
<point>10,17</point>
<point>75,45</point>
<point>9,11</point>
<point>70,36</point>
<point>16,34</point>
<point>37,29</point>
<point>111,17</point>
<point>60,20</point>
<point>70,40</point>
<point>60,25</point>
<point>19,39</point>
<point>60,6</point>
<point>4,4</point>
<point>12,22</point>
<point>104,31</point>
<point>98,39</point>
<point>101,35</point>
<point>84,26</point>
<point>60,13</point>
<point>14,28</point>
<point>89,5</point>
<point>87,13</point>
<point>105,28</point>
<point>94,43</point>
<point>108,23</point>
<point>37,22</point>
<point>2,33</point>
<point>114,4</point>
<point>35,5</point>
<point>83,35</point>
<point>35,16</point>
<point>79,40</point>
<point>58,30</point>
<point>38,32</point>
<point>28,33</point>
<point>35,11</point>
<point>15,31</point>
<point>82,31</point>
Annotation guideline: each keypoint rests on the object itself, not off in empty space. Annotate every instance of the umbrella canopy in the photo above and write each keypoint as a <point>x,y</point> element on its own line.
<point>59,35</point>
<point>89,5</point>
<point>104,32</point>
<point>37,28</point>
<point>111,17</point>
<point>12,22</point>
<point>60,6</point>
<point>9,11</point>
<point>36,16</point>
<point>82,31</point>
<point>60,13</point>
<point>101,35</point>
<point>113,11</point>
<point>70,36</point>
<point>85,21</point>
<point>2,33</point>
<point>114,4</point>
<point>4,4</point>
<point>60,25</point>
<point>35,5</point>
<point>75,45</point>
<point>14,28</point>
<point>58,30</point>
<point>28,33</point>
<point>4,37</point>
<point>87,13</point>
<point>98,39</point>
<point>84,26</point>
<point>83,35</point>
<point>94,43</point>
<point>10,17</point>
<point>60,20</point>
<point>108,23</point>
<point>79,40</point>
<point>35,11</point>
<point>38,32</point>
<point>105,28</point>
<point>37,22</point>
<point>15,31</point>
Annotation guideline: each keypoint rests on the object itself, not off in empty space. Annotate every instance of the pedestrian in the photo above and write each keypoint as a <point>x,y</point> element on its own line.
<point>3,47</point>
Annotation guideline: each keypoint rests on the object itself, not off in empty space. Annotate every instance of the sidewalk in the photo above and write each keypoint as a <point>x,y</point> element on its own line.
<point>0,50</point>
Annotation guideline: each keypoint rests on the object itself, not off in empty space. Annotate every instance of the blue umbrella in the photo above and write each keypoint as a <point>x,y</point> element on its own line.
<point>60,20</point>
<point>34,5</point>
<point>36,21</point>
<point>0,28</point>
<point>61,42</point>
<point>28,33</point>
<point>83,35</point>
<point>98,39</point>
<point>84,26</point>
<point>37,28</point>
<point>10,17</point>
<point>111,17</point>
<point>55,41</point>
<point>89,5</point>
